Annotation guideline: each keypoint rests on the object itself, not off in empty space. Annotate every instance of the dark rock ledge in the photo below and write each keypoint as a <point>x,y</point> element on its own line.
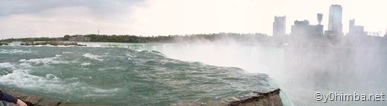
<point>33,100</point>
<point>268,97</point>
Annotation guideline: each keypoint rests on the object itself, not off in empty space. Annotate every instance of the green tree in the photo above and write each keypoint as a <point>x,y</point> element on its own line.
<point>66,37</point>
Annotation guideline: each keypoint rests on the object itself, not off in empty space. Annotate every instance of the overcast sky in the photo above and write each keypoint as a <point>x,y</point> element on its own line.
<point>55,18</point>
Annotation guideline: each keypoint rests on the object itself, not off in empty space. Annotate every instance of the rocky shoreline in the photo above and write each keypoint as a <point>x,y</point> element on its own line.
<point>33,100</point>
<point>54,43</point>
<point>3,43</point>
<point>269,97</point>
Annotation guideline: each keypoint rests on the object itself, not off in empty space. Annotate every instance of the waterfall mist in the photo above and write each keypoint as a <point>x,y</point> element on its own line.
<point>302,69</point>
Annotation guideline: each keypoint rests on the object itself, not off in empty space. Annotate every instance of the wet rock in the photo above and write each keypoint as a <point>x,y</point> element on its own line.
<point>31,100</point>
<point>81,104</point>
<point>189,104</point>
<point>268,97</point>
<point>263,97</point>
<point>16,94</point>
<point>49,103</point>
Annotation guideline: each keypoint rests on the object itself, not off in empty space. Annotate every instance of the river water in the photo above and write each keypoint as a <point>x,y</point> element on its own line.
<point>162,73</point>
<point>133,74</point>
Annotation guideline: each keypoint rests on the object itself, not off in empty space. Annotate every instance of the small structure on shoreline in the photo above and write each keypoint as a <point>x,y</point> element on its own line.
<point>54,43</point>
<point>79,38</point>
<point>3,43</point>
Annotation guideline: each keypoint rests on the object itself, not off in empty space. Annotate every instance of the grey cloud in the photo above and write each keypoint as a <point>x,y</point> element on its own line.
<point>10,7</point>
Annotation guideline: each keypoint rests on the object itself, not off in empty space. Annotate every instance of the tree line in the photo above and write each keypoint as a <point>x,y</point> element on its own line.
<point>150,39</point>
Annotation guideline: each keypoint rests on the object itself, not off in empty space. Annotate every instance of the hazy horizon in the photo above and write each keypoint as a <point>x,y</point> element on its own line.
<point>55,18</point>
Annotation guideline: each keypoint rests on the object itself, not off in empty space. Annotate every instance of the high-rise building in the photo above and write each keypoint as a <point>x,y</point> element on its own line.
<point>300,28</point>
<point>319,18</point>
<point>304,29</point>
<point>355,29</point>
<point>279,26</point>
<point>351,24</point>
<point>319,28</point>
<point>385,35</point>
<point>335,19</point>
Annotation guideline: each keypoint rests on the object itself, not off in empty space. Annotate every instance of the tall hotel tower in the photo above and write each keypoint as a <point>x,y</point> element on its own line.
<point>279,26</point>
<point>335,19</point>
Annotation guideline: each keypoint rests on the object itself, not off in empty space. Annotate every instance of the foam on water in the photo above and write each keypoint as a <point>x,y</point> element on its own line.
<point>21,75</point>
<point>92,56</point>
<point>85,64</point>
<point>49,83</point>
<point>6,65</point>
<point>67,52</point>
<point>129,55</point>
<point>127,76</point>
<point>219,55</point>
<point>14,51</point>
<point>209,53</point>
<point>92,44</point>
<point>45,61</point>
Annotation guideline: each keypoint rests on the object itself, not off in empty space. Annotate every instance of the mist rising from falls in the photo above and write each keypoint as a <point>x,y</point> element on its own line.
<point>349,64</point>
<point>246,57</point>
<point>302,70</point>
<point>352,65</point>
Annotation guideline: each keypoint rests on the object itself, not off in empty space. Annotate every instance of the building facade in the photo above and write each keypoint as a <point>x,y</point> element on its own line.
<point>335,19</point>
<point>304,29</point>
<point>355,30</point>
<point>279,26</point>
<point>300,28</point>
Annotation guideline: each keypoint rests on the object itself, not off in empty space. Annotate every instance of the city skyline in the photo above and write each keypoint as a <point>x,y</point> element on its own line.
<point>55,18</point>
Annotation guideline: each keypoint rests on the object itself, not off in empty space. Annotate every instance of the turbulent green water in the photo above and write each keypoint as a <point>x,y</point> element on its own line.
<point>115,76</point>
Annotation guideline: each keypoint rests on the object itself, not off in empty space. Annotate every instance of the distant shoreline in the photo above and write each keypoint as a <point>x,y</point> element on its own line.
<point>54,43</point>
<point>222,38</point>
<point>260,39</point>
